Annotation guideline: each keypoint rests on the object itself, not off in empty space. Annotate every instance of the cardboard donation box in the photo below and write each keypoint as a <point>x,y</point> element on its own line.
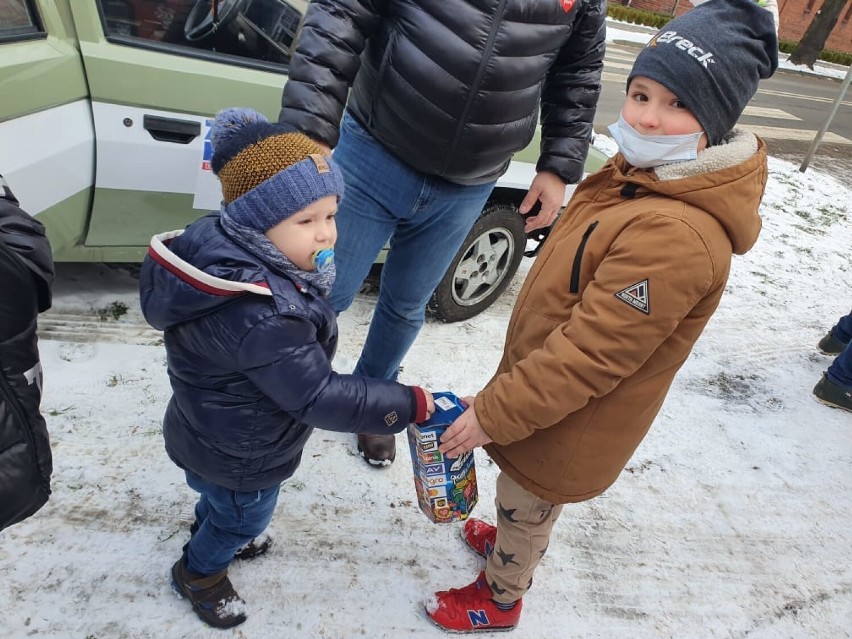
<point>446,487</point>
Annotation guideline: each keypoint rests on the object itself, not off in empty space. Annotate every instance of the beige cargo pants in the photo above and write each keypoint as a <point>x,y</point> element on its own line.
<point>524,523</point>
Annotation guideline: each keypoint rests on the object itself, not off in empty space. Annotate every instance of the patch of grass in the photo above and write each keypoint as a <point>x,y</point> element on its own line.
<point>56,412</point>
<point>114,310</point>
<point>820,219</point>
<point>765,278</point>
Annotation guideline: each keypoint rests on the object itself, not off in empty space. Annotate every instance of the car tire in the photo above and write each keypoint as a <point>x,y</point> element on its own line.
<point>483,267</point>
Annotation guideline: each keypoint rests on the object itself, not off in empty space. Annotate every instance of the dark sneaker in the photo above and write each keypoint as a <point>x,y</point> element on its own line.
<point>833,395</point>
<point>481,537</point>
<point>255,548</point>
<point>377,450</point>
<point>471,609</point>
<point>213,598</point>
<point>830,345</point>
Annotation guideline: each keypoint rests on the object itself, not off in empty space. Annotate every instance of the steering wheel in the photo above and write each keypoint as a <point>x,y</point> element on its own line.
<point>200,22</point>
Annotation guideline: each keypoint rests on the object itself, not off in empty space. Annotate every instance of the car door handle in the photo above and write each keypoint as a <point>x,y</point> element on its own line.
<point>171,129</point>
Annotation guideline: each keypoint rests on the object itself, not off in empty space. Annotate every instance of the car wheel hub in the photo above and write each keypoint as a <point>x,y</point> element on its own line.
<point>484,265</point>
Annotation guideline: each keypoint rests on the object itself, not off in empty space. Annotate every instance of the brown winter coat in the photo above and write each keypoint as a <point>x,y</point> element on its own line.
<point>609,312</point>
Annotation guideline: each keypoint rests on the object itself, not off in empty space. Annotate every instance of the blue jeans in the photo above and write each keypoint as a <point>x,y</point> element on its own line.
<point>840,371</point>
<point>226,520</point>
<point>426,220</point>
<point>843,329</point>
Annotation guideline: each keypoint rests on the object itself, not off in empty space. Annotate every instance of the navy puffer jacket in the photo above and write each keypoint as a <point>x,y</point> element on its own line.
<point>453,87</point>
<point>249,359</point>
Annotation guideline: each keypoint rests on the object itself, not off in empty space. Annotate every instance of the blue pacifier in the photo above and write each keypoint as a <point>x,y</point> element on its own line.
<point>323,259</point>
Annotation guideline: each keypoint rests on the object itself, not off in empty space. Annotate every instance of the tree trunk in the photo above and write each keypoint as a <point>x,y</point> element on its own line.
<point>813,42</point>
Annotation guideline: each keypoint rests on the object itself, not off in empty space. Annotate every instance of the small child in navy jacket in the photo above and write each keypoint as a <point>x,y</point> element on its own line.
<point>249,334</point>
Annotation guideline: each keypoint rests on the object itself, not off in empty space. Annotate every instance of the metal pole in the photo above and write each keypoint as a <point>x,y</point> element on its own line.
<point>834,107</point>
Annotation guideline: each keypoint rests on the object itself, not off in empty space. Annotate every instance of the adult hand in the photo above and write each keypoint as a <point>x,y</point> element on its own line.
<point>464,434</point>
<point>549,189</point>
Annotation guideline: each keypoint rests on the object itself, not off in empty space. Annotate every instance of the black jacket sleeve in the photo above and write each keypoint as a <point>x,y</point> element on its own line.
<point>327,58</point>
<point>570,96</point>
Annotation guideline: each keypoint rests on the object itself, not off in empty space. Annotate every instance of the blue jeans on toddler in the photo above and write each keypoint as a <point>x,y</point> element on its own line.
<point>226,520</point>
<point>425,218</point>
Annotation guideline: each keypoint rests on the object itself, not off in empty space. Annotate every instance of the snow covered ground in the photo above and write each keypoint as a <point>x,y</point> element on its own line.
<point>733,519</point>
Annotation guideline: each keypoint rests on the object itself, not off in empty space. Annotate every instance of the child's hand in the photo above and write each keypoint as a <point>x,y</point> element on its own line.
<point>464,434</point>
<point>425,404</point>
<point>430,403</point>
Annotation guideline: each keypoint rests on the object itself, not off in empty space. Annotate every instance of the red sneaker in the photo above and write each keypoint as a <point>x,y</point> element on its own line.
<point>481,537</point>
<point>471,609</point>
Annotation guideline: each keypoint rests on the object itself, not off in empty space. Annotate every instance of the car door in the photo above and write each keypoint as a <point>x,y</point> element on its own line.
<point>158,70</point>
<point>46,132</point>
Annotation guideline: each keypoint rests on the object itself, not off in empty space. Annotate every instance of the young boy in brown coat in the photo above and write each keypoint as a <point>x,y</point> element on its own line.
<point>624,286</point>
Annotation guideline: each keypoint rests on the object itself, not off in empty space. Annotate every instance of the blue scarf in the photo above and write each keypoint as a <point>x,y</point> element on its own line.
<point>260,246</point>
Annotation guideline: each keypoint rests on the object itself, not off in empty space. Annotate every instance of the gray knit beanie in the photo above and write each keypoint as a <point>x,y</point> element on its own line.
<point>712,58</point>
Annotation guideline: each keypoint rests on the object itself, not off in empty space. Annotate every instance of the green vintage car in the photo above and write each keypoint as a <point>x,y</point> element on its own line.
<point>105,117</point>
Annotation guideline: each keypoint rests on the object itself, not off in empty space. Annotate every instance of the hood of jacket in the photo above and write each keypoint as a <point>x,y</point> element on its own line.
<point>189,274</point>
<point>721,182</point>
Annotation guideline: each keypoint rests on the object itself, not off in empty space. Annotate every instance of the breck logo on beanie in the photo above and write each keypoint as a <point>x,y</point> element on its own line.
<point>704,57</point>
<point>712,58</point>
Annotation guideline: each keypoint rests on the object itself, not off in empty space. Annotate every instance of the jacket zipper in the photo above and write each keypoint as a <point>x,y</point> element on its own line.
<point>474,88</point>
<point>578,259</point>
<point>18,411</point>
<point>380,76</point>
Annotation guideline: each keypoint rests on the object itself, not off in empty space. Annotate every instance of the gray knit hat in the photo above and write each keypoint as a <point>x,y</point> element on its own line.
<point>268,171</point>
<point>712,58</point>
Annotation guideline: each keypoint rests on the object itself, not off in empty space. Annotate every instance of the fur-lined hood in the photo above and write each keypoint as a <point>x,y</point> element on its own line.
<point>720,181</point>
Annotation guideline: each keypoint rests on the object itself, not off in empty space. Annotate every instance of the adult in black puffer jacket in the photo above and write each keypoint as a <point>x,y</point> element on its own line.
<point>26,274</point>
<point>453,87</point>
<point>443,92</point>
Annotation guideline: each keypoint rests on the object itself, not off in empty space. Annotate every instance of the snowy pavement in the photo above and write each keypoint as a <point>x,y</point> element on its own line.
<point>731,521</point>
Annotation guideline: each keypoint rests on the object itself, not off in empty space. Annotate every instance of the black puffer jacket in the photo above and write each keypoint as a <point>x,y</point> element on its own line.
<point>452,87</point>
<point>26,277</point>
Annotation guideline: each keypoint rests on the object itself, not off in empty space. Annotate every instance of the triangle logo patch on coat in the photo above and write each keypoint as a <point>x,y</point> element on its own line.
<point>637,296</point>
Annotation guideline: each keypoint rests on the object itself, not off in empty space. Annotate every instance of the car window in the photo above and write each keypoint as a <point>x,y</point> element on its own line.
<point>17,19</point>
<point>261,30</point>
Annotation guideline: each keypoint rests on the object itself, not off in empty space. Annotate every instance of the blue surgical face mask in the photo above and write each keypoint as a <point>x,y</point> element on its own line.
<point>648,151</point>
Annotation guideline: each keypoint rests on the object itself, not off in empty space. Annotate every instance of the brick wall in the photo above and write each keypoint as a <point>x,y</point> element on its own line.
<point>796,16</point>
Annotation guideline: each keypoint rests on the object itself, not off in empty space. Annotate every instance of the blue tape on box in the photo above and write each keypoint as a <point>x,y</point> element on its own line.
<point>446,488</point>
